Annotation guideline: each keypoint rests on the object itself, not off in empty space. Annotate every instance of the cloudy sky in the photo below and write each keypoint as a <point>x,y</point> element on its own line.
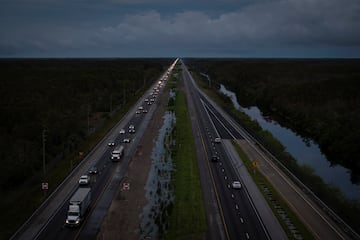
<point>180,28</point>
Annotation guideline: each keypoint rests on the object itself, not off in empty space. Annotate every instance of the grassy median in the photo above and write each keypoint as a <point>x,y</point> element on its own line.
<point>188,214</point>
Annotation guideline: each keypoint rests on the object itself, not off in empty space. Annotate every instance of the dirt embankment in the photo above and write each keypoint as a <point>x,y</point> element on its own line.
<point>123,218</point>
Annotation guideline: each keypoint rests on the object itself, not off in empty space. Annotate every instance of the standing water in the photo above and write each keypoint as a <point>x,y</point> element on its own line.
<point>304,152</point>
<point>155,215</point>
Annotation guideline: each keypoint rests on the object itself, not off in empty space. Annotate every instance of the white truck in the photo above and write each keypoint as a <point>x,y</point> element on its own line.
<point>79,204</point>
<point>117,153</point>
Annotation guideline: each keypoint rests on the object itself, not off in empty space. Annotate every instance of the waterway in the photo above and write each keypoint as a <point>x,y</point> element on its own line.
<point>305,152</point>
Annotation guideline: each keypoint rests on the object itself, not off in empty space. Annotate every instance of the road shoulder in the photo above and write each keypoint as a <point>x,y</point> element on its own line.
<point>123,218</point>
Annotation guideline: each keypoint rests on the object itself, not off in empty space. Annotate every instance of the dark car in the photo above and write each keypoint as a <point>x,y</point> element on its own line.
<point>93,170</point>
<point>215,158</point>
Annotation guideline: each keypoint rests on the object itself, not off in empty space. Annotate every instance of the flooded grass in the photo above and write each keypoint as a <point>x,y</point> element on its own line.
<point>159,193</point>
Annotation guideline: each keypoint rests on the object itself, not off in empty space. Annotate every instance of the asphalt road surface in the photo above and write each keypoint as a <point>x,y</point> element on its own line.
<point>315,217</point>
<point>239,218</point>
<point>48,222</point>
<point>231,213</point>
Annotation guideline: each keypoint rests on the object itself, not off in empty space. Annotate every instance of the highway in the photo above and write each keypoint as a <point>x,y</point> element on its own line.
<point>239,217</point>
<point>48,222</point>
<point>310,210</point>
<point>231,213</point>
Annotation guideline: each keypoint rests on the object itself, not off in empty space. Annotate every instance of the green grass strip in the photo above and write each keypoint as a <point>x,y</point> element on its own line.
<point>188,215</point>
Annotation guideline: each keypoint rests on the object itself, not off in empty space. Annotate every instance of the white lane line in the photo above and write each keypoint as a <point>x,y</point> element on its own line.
<point>208,109</point>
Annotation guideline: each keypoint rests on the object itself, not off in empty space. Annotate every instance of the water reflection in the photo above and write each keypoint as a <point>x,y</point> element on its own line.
<point>155,215</point>
<point>304,151</point>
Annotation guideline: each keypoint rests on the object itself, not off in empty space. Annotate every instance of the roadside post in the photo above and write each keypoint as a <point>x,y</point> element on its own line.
<point>255,164</point>
<point>44,187</point>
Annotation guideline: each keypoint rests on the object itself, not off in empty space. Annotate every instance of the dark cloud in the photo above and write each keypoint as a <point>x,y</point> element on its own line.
<point>327,26</point>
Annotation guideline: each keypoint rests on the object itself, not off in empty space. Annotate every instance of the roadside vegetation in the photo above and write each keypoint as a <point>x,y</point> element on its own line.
<point>348,210</point>
<point>73,103</point>
<point>317,99</point>
<point>275,201</point>
<point>188,214</point>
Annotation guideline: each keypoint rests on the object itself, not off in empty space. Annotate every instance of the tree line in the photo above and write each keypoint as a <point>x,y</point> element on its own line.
<point>61,101</point>
<point>318,99</point>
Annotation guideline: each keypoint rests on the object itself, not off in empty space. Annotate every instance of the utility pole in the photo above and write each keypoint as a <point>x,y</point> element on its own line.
<point>124,95</point>
<point>43,142</point>
<point>208,80</point>
<point>111,103</point>
<point>88,119</point>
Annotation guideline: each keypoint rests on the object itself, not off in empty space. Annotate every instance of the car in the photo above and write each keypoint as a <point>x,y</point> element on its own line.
<point>236,185</point>
<point>93,170</point>
<point>131,130</point>
<point>84,180</point>
<point>131,127</point>
<point>146,100</point>
<point>126,140</point>
<point>137,112</point>
<point>145,111</point>
<point>217,140</point>
<point>141,108</point>
<point>122,131</point>
<point>215,158</point>
<point>111,143</point>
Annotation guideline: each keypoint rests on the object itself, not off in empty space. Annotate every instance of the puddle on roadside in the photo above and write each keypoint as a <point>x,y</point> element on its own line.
<point>172,93</point>
<point>159,193</point>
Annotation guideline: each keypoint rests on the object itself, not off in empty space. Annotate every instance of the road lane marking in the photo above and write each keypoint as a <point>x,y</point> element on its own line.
<point>246,135</point>
<point>213,183</point>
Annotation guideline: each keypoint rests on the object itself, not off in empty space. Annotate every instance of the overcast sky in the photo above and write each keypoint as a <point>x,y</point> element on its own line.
<point>180,28</point>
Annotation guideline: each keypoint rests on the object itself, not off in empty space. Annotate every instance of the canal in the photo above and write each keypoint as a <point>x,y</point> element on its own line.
<point>305,152</point>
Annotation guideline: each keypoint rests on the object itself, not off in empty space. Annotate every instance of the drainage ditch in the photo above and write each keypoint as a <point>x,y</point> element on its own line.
<point>159,192</point>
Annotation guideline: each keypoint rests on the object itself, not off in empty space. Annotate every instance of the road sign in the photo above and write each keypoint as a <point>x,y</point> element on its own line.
<point>255,164</point>
<point>126,186</point>
<point>44,186</point>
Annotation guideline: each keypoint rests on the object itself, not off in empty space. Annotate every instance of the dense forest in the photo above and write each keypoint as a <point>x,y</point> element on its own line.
<point>60,101</point>
<point>318,99</point>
